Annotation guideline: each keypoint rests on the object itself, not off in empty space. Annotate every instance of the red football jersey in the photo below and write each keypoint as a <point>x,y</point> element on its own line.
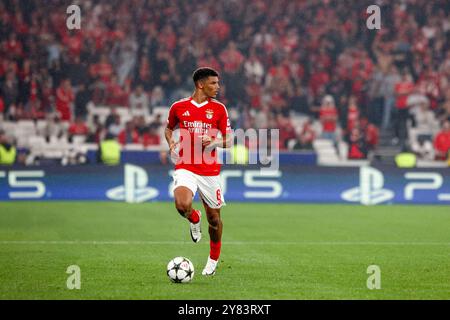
<point>207,118</point>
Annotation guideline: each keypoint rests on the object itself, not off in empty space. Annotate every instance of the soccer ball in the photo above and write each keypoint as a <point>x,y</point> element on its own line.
<point>180,270</point>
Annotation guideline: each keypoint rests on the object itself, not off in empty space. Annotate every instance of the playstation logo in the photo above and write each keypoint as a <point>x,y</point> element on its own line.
<point>370,190</point>
<point>135,189</point>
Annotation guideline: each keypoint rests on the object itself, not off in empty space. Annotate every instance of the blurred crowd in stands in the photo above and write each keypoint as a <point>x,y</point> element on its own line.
<point>276,58</point>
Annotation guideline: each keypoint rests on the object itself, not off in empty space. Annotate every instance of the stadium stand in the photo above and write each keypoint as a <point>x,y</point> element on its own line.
<point>278,60</point>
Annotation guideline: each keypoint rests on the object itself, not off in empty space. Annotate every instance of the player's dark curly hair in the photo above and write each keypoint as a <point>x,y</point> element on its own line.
<point>203,73</point>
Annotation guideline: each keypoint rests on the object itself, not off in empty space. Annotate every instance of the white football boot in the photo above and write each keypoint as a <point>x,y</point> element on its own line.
<point>210,268</point>
<point>196,228</point>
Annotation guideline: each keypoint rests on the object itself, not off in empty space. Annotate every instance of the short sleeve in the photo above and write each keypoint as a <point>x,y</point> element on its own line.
<point>172,119</point>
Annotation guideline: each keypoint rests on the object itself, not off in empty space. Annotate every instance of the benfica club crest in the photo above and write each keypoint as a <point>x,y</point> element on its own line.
<point>209,114</point>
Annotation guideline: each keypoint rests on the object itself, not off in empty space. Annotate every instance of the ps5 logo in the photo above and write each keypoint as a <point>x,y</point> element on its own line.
<point>20,180</point>
<point>135,189</point>
<point>370,190</point>
<point>271,189</point>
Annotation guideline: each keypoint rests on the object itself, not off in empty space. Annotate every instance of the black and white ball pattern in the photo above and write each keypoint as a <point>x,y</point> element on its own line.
<point>180,270</point>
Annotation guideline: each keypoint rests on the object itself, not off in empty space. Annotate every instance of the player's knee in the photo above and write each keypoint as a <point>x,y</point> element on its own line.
<point>214,221</point>
<point>183,207</point>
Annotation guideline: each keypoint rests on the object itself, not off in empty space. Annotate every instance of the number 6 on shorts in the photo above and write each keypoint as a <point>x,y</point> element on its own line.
<point>218,197</point>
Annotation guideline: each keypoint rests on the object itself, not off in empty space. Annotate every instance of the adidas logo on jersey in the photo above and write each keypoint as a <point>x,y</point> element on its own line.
<point>186,114</point>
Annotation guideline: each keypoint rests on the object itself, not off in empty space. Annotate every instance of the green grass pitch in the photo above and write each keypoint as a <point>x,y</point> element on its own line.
<point>269,251</point>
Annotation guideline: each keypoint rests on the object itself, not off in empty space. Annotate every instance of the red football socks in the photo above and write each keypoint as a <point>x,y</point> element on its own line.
<point>214,251</point>
<point>194,218</point>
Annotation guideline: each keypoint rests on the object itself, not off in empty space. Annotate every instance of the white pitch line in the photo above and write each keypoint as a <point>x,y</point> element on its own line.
<point>306,243</point>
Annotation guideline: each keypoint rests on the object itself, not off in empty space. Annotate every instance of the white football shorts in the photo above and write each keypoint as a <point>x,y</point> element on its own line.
<point>209,187</point>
